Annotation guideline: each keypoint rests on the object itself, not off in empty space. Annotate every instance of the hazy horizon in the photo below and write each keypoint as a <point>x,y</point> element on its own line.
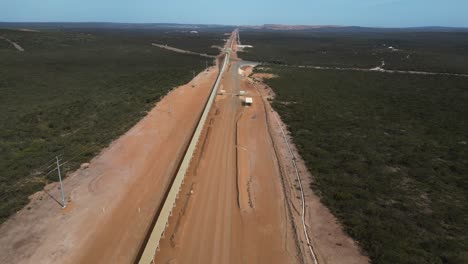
<point>214,24</point>
<point>365,13</point>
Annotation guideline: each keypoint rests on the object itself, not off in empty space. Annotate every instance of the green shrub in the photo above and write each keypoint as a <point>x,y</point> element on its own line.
<point>388,155</point>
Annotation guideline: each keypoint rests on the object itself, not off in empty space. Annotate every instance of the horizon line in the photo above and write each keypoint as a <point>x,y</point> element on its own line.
<point>231,25</point>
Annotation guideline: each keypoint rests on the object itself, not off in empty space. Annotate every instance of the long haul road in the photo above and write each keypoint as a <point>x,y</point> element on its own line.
<point>231,207</point>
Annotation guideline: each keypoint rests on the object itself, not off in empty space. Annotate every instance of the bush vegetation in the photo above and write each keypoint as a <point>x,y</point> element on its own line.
<point>389,155</point>
<point>420,51</point>
<point>72,92</point>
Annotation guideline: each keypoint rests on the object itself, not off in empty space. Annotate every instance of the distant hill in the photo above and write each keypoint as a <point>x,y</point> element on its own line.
<point>290,27</point>
<point>350,29</point>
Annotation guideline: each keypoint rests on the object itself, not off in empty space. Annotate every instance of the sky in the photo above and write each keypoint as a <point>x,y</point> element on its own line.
<point>375,13</point>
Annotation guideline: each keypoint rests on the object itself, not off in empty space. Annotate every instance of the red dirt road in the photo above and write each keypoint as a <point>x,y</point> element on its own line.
<point>113,202</point>
<point>232,208</point>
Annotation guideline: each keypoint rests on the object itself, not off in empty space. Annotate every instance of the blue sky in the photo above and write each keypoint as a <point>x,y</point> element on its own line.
<point>380,13</point>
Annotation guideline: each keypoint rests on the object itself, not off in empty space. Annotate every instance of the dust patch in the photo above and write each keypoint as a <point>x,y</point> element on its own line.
<point>263,76</point>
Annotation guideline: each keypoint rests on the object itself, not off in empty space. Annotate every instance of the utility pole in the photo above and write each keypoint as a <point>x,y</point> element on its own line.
<point>61,185</point>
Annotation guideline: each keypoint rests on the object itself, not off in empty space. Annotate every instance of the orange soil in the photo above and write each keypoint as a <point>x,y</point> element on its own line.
<point>230,211</point>
<point>113,202</point>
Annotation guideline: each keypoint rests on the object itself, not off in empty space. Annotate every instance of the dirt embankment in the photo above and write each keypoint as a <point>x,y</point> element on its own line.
<point>111,203</point>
